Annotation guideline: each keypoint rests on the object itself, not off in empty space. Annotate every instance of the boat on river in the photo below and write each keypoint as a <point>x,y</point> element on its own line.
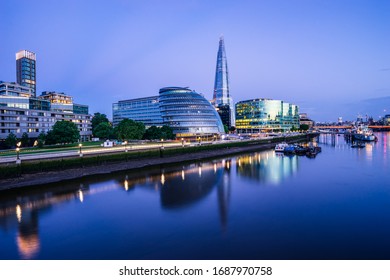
<point>280,147</point>
<point>363,133</point>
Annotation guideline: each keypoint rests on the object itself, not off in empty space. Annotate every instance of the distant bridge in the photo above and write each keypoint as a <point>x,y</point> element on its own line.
<point>344,127</point>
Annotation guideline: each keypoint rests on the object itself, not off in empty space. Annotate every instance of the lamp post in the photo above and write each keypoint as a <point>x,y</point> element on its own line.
<point>199,140</point>
<point>182,142</point>
<point>215,138</point>
<point>17,152</point>
<point>126,146</point>
<point>80,152</point>
<point>17,155</point>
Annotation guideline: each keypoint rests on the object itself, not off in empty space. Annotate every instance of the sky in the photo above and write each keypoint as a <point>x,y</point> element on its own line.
<point>329,57</point>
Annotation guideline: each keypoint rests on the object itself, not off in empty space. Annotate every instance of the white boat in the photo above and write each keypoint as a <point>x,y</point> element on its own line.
<point>280,147</point>
<point>363,133</point>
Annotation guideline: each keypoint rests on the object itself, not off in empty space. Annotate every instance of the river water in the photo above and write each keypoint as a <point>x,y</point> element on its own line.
<point>257,205</point>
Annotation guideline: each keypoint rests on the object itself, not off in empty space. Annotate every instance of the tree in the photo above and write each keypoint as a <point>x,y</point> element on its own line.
<point>304,127</point>
<point>225,127</point>
<point>167,132</point>
<point>129,129</point>
<point>41,139</point>
<point>63,132</point>
<point>10,141</point>
<point>103,130</point>
<point>25,139</point>
<point>98,119</point>
<point>152,132</point>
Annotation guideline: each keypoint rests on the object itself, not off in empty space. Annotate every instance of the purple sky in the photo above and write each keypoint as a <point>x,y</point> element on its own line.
<point>328,57</point>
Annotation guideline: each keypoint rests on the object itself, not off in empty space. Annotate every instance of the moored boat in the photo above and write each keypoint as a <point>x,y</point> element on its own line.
<point>280,147</point>
<point>363,133</point>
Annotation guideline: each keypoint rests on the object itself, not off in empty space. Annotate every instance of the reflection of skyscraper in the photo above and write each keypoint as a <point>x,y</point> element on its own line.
<point>221,97</point>
<point>26,69</point>
<point>224,194</point>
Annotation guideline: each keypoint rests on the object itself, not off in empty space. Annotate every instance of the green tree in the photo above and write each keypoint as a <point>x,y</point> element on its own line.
<point>63,132</point>
<point>25,139</point>
<point>41,139</point>
<point>129,129</point>
<point>103,130</point>
<point>225,127</point>
<point>304,127</point>
<point>167,132</point>
<point>10,141</point>
<point>152,133</point>
<point>97,119</point>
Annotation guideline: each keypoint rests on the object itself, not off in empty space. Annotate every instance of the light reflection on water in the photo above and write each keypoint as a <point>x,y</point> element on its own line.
<point>189,197</point>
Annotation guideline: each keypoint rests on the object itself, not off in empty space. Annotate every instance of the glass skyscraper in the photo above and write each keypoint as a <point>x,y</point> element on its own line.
<point>26,70</point>
<point>222,100</point>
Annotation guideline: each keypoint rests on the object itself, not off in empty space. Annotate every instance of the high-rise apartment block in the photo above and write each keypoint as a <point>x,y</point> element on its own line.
<point>26,70</point>
<point>222,100</point>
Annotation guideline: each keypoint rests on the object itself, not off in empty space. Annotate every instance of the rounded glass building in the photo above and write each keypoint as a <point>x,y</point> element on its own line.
<point>188,113</point>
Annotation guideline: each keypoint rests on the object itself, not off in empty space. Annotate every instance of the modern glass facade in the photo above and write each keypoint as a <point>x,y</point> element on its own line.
<point>260,115</point>
<point>145,110</point>
<point>26,70</point>
<point>188,113</point>
<point>221,96</point>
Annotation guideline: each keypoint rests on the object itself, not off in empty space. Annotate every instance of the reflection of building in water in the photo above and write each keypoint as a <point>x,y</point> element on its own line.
<point>196,182</point>
<point>224,193</point>
<point>23,211</point>
<point>266,166</point>
<point>27,238</point>
<point>186,185</point>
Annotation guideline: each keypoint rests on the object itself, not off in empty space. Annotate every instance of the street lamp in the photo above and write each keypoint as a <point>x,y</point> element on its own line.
<point>215,138</point>
<point>182,142</point>
<point>199,140</point>
<point>162,143</point>
<point>126,146</point>
<point>17,155</point>
<point>80,152</point>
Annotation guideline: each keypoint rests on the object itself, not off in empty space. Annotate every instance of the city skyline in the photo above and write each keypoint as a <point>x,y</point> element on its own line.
<point>329,58</point>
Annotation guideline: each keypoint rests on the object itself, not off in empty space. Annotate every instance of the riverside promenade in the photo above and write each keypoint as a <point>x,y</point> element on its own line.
<point>42,178</point>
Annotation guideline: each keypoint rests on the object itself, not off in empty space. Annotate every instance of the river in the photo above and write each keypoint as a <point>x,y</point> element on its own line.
<point>250,206</point>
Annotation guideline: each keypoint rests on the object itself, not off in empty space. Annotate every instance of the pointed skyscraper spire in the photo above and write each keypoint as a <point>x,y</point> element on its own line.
<point>221,97</point>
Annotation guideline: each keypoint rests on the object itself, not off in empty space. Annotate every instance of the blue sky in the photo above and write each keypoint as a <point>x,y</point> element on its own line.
<point>328,57</point>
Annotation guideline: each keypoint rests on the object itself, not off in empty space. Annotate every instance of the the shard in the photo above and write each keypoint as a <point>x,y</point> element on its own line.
<point>222,100</point>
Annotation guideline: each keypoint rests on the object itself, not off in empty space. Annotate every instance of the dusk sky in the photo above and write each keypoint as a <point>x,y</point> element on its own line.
<point>328,57</point>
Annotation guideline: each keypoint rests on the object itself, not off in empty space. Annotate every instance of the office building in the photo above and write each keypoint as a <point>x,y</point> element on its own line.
<point>266,115</point>
<point>26,70</point>
<point>145,110</point>
<point>221,97</point>
<point>187,112</point>
<point>21,112</point>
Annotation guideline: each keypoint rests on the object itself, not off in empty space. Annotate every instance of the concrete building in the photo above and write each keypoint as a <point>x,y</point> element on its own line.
<point>21,112</point>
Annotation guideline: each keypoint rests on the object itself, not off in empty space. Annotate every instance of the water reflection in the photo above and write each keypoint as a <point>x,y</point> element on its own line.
<point>22,211</point>
<point>267,166</point>
<point>178,187</point>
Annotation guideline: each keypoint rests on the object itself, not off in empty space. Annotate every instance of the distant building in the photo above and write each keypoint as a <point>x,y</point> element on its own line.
<point>386,120</point>
<point>26,70</point>
<point>221,97</point>
<point>304,119</point>
<point>265,115</point>
<point>187,112</point>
